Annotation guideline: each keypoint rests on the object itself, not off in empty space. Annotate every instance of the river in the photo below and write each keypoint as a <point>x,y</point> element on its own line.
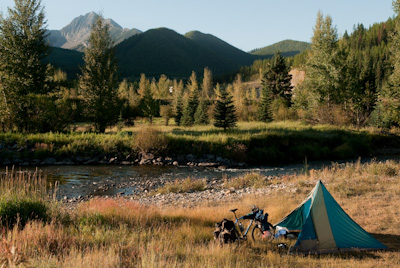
<point>84,180</point>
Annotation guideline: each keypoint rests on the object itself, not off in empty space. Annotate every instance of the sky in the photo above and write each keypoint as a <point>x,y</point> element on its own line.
<point>244,24</point>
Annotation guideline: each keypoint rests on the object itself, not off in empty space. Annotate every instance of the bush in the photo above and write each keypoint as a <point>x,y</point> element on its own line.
<point>187,186</point>
<point>21,211</point>
<point>150,140</point>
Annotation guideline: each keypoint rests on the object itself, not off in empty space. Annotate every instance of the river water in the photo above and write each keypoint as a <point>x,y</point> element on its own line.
<point>83,180</point>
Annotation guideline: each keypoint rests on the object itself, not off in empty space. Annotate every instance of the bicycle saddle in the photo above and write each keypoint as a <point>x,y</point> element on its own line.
<point>233,210</point>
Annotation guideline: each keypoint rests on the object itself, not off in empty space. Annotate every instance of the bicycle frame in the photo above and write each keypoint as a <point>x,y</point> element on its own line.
<point>244,235</point>
<point>237,226</point>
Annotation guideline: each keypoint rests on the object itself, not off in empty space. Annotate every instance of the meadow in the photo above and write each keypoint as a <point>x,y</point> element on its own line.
<point>123,233</point>
<point>252,143</point>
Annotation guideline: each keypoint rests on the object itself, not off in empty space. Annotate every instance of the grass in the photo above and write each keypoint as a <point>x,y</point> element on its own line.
<point>187,185</point>
<point>251,142</point>
<point>123,233</point>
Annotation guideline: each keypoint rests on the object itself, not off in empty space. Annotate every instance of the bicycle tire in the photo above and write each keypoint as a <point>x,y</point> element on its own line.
<point>259,236</point>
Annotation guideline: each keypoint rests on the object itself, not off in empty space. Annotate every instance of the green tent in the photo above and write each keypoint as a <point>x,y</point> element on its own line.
<point>324,226</point>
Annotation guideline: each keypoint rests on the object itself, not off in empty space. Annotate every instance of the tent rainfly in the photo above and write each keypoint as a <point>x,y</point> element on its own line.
<point>324,226</point>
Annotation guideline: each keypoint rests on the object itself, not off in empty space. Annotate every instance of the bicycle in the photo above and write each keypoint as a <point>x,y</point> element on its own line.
<point>263,231</point>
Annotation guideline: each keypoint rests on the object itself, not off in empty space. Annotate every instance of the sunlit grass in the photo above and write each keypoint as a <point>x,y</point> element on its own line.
<point>123,233</point>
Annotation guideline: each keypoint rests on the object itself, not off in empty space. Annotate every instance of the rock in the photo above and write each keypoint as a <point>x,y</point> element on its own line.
<point>112,160</point>
<point>35,162</point>
<point>190,158</point>
<point>210,157</point>
<point>6,162</point>
<point>17,161</point>
<point>208,164</point>
<point>175,163</point>
<point>50,161</point>
<point>147,159</point>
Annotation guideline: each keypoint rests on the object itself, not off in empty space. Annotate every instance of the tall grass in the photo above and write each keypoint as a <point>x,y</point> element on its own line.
<point>24,196</point>
<point>123,233</point>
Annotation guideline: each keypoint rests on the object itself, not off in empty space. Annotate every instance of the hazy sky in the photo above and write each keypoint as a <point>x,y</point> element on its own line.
<point>245,24</point>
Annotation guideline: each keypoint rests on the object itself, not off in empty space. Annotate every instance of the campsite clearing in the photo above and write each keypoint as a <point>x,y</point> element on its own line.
<point>123,233</point>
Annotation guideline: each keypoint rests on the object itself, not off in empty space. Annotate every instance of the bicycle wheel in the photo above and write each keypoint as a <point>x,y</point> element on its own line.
<point>259,235</point>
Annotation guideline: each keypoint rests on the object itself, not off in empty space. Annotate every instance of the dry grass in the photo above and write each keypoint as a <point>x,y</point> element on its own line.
<point>120,233</point>
<point>187,185</point>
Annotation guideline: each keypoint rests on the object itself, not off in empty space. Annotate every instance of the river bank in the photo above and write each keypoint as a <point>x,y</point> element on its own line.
<point>249,144</point>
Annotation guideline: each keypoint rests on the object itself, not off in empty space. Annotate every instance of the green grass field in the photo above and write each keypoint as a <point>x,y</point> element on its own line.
<point>253,143</point>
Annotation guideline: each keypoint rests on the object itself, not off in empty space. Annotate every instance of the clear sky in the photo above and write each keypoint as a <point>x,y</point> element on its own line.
<point>244,24</point>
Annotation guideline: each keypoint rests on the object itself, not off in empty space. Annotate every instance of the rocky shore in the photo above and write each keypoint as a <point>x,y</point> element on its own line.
<point>209,161</point>
<point>146,193</point>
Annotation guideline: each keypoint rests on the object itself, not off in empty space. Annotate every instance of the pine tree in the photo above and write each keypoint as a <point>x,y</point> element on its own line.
<point>201,114</point>
<point>149,105</point>
<point>264,112</point>
<point>24,84</point>
<point>98,82</point>
<point>278,79</point>
<point>224,112</point>
<point>389,99</point>
<point>192,103</point>
<point>178,101</point>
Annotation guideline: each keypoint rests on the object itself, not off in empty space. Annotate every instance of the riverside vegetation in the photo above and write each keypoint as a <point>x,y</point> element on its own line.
<point>123,233</point>
<point>251,143</point>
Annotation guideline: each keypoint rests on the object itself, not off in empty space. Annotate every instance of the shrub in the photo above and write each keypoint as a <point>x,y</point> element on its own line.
<point>150,140</point>
<point>186,186</point>
<point>252,179</point>
<point>21,211</point>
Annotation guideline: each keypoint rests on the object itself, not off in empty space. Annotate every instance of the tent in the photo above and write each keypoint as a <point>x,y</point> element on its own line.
<point>324,226</point>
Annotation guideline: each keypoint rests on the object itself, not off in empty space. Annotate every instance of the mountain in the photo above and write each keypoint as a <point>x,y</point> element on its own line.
<point>66,60</point>
<point>287,48</point>
<point>222,48</point>
<point>75,35</point>
<point>164,51</point>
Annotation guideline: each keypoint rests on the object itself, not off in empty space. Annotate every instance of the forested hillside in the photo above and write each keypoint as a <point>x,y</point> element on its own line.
<point>287,48</point>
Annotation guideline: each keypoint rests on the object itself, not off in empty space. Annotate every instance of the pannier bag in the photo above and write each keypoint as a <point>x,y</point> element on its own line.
<point>225,231</point>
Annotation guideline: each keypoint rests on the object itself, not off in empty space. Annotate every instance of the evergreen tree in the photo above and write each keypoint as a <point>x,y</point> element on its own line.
<point>278,79</point>
<point>178,101</point>
<point>224,111</point>
<point>187,115</point>
<point>201,114</point>
<point>192,102</point>
<point>264,112</point>
<point>24,85</point>
<point>98,82</point>
<point>389,99</point>
<point>149,106</point>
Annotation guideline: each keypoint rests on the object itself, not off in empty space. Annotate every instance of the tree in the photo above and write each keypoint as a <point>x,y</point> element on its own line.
<point>178,111</point>
<point>224,111</point>
<point>265,104</point>
<point>201,114</point>
<point>98,82</point>
<point>207,85</point>
<point>324,86</point>
<point>149,105</point>
<point>24,78</point>
<point>192,103</point>
<point>278,79</point>
<point>166,112</point>
<point>276,87</point>
<point>389,97</point>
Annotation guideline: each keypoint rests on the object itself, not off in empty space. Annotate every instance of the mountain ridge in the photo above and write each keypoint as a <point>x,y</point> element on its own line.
<point>75,35</point>
<point>287,48</point>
